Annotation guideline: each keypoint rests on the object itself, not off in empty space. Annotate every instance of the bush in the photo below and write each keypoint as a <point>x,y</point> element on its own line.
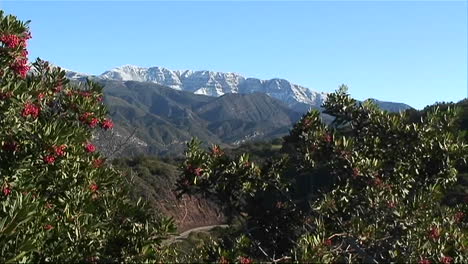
<point>60,202</point>
<point>367,188</point>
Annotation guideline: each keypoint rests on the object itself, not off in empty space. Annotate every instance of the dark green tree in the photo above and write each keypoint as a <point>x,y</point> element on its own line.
<point>367,188</point>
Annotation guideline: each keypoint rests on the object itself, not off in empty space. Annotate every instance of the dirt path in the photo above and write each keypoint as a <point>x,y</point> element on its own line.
<point>187,233</point>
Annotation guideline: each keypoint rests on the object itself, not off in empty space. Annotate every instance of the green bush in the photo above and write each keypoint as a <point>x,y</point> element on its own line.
<point>60,202</point>
<point>367,188</point>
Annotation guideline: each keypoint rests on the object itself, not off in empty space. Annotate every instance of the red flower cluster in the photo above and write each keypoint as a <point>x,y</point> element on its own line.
<point>31,110</point>
<point>6,191</point>
<point>327,138</point>
<point>90,147</point>
<point>424,261</point>
<point>49,159</point>
<point>85,93</point>
<point>97,163</point>
<point>217,150</point>
<point>446,260</point>
<point>59,150</point>
<point>93,122</point>
<point>94,187</point>
<point>12,41</point>
<point>107,124</point>
<point>245,260</point>
<point>84,117</point>
<point>89,119</point>
<point>328,242</point>
<point>41,96</point>
<point>48,227</point>
<point>20,65</point>
<point>21,68</point>
<point>198,171</point>
<point>434,233</point>
<point>10,146</point>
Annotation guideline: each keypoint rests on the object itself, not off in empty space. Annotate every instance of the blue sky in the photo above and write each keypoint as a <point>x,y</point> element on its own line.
<point>405,51</point>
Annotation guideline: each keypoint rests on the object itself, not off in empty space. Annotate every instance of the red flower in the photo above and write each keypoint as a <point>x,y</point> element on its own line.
<point>446,260</point>
<point>328,242</point>
<point>245,260</point>
<point>21,68</point>
<point>198,171</point>
<point>90,148</point>
<point>434,233</point>
<point>97,163</point>
<point>459,217</point>
<point>10,146</point>
<point>40,96</point>
<point>24,53</point>
<point>327,138</point>
<point>6,191</point>
<point>107,124</point>
<point>424,261</point>
<point>85,93</point>
<point>94,187</point>
<point>217,150</point>
<point>100,99</point>
<point>11,41</point>
<point>93,122</point>
<point>60,150</point>
<point>31,110</point>
<point>84,117</point>
<point>48,227</point>
<point>49,159</point>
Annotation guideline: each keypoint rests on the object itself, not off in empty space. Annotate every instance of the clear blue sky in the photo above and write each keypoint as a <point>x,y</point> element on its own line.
<point>405,51</point>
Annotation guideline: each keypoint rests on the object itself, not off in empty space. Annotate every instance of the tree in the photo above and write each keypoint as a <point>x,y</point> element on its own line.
<point>60,202</point>
<point>366,188</point>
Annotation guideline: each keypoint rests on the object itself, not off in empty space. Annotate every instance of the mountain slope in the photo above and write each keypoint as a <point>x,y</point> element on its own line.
<point>165,119</point>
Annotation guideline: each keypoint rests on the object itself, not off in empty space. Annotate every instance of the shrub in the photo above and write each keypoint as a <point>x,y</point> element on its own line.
<point>366,188</point>
<point>60,202</point>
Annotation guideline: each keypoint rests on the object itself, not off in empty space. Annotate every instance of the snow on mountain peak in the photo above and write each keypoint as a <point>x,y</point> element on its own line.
<point>217,83</point>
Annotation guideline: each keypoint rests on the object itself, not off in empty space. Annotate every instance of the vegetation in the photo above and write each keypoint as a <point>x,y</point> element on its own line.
<point>60,202</point>
<point>367,188</point>
<point>372,186</point>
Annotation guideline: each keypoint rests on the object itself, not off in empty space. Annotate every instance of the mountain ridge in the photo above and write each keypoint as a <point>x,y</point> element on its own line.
<point>213,83</point>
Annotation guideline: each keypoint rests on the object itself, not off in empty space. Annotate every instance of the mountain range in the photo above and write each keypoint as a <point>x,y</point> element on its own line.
<point>169,107</point>
<point>166,119</point>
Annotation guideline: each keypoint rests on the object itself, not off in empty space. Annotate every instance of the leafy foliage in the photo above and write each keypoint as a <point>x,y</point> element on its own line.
<point>60,202</point>
<point>367,188</point>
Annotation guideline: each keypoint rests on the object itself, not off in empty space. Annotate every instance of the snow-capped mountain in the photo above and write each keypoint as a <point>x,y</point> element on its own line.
<point>218,83</point>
